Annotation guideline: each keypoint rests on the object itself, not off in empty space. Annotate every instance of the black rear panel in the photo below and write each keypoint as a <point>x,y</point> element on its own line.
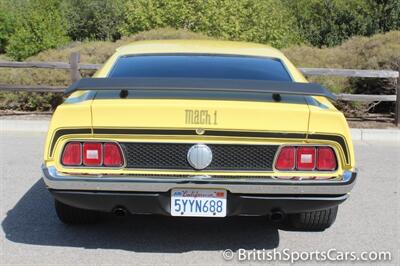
<point>174,156</point>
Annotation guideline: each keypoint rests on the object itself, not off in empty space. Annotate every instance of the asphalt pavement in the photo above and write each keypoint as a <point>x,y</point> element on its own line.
<point>31,234</point>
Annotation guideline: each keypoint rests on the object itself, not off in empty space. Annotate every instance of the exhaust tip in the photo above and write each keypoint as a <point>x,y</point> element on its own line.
<point>119,211</point>
<point>277,216</point>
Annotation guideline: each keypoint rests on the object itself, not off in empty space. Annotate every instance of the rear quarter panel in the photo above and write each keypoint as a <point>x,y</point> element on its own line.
<point>332,122</point>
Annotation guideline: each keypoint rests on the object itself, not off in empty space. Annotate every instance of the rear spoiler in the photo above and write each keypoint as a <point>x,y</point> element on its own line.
<point>187,85</point>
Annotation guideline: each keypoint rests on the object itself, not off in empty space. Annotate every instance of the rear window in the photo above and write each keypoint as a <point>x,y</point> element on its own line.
<point>200,66</point>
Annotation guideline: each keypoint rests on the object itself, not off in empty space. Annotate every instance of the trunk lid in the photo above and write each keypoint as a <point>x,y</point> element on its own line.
<point>284,116</point>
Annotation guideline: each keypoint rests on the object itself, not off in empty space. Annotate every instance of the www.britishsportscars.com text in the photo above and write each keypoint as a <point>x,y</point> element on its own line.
<point>287,255</point>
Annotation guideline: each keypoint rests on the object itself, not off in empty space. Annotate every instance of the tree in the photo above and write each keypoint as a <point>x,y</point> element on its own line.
<point>41,26</point>
<point>330,22</point>
<point>6,25</point>
<point>264,21</point>
<point>385,14</point>
<point>93,19</point>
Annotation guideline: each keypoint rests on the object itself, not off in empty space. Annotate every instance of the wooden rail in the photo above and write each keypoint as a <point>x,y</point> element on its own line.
<point>32,88</point>
<point>339,72</point>
<point>74,67</point>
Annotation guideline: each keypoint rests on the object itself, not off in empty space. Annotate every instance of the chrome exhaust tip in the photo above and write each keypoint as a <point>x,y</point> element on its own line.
<point>119,211</point>
<point>277,216</point>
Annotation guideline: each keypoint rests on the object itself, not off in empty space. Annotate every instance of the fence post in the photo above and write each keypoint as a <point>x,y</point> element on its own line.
<point>74,63</point>
<point>397,108</point>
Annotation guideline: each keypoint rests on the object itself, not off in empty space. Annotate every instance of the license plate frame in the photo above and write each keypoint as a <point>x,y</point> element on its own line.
<point>188,202</point>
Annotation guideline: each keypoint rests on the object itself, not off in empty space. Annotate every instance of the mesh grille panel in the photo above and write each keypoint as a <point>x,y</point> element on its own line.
<point>174,156</point>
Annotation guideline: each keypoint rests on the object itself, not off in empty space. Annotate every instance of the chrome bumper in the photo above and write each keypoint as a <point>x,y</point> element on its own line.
<point>58,181</point>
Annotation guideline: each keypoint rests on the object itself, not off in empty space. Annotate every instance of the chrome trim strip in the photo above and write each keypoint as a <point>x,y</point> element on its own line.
<point>58,181</point>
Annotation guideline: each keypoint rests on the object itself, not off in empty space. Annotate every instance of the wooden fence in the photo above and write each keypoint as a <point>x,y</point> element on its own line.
<point>74,66</point>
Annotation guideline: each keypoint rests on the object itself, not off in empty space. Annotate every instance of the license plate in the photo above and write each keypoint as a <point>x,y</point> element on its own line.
<point>198,202</point>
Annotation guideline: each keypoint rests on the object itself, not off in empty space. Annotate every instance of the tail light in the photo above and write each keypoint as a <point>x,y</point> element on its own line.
<point>92,154</point>
<point>326,159</point>
<point>306,158</point>
<point>72,154</point>
<point>112,155</point>
<point>286,159</point>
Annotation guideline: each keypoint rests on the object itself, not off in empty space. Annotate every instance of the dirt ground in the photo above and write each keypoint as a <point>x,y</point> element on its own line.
<point>24,116</point>
<point>371,124</point>
<point>372,121</point>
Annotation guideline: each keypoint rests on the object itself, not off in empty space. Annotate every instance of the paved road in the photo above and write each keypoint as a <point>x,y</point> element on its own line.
<point>31,234</point>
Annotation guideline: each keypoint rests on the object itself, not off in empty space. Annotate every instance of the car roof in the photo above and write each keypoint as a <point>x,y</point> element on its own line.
<point>199,46</point>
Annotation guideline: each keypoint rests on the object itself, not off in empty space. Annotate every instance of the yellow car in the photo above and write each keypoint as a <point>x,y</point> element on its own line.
<point>201,129</point>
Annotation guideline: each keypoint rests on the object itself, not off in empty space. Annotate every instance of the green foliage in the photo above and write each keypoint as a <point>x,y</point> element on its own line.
<point>6,25</point>
<point>93,19</point>
<point>385,14</point>
<point>30,26</point>
<point>264,21</point>
<point>330,22</point>
<point>40,26</point>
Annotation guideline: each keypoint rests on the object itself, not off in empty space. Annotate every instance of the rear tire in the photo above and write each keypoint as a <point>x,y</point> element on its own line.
<point>71,215</point>
<point>314,220</point>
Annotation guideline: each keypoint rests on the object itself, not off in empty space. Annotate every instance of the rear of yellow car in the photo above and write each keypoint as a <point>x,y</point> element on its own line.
<point>197,151</point>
